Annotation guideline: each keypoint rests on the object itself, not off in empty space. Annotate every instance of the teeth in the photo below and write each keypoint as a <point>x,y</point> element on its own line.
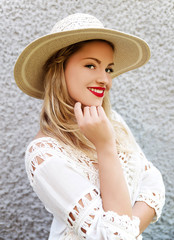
<point>96,90</point>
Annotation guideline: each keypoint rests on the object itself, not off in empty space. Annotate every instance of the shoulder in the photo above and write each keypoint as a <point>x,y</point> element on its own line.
<point>42,152</point>
<point>44,145</point>
<point>43,149</point>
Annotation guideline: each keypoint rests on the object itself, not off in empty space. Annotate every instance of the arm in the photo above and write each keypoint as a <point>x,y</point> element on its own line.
<point>145,213</point>
<point>151,197</point>
<point>115,195</point>
<point>113,187</point>
<point>96,127</point>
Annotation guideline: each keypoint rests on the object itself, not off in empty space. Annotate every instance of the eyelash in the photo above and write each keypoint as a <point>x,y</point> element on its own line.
<point>91,65</point>
<point>110,70</point>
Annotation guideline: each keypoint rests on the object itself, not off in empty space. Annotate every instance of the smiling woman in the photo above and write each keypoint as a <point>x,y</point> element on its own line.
<point>84,163</point>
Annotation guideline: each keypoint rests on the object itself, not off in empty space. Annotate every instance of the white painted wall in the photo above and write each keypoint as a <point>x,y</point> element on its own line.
<point>144,97</point>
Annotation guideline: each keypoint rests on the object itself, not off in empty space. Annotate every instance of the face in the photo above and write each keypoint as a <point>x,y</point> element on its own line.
<point>88,73</point>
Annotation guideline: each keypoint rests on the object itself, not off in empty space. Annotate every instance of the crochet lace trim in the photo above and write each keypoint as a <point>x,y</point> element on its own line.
<point>86,213</point>
<point>42,149</point>
<point>154,200</point>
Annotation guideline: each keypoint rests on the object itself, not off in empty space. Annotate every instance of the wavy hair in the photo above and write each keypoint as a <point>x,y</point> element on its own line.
<point>57,117</point>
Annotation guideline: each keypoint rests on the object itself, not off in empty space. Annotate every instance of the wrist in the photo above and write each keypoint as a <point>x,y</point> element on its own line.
<point>107,145</point>
<point>107,151</point>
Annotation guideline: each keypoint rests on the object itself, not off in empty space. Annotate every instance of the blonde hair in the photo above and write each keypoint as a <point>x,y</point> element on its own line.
<point>57,118</point>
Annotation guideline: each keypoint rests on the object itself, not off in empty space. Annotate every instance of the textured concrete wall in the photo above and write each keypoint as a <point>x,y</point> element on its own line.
<point>145,98</point>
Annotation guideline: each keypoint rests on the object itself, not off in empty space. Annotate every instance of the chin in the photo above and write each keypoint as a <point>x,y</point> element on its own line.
<point>89,104</point>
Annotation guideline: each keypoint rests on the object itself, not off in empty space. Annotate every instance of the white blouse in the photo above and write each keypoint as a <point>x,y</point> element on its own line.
<point>66,176</point>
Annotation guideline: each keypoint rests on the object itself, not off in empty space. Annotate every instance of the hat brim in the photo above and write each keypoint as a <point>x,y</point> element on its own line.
<point>131,53</point>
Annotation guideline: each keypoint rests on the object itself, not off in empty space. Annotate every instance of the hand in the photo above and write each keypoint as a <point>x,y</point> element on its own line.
<point>95,125</point>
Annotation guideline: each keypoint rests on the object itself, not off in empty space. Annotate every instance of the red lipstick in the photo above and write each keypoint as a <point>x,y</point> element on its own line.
<point>97,91</point>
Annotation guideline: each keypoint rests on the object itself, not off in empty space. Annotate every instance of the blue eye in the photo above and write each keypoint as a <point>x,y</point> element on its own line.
<point>109,70</point>
<point>90,66</point>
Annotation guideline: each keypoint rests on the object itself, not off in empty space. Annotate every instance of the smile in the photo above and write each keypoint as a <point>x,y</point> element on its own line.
<point>98,91</point>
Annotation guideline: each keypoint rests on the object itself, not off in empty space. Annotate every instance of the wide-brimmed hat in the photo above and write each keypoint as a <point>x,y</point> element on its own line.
<point>130,52</point>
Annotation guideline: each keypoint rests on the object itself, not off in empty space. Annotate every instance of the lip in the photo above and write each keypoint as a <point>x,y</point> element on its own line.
<point>96,93</point>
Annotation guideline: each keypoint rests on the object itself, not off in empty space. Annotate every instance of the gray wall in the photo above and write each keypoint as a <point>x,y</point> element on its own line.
<point>144,97</point>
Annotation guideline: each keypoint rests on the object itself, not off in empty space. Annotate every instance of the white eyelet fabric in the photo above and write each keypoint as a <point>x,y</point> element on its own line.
<point>67,183</point>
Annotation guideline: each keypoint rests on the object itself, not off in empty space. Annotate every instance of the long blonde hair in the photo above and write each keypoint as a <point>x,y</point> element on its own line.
<point>57,118</point>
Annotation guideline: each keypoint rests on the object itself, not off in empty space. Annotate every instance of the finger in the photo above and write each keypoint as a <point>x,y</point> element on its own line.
<point>78,112</point>
<point>101,112</point>
<point>86,111</point>
<point>94,112</point>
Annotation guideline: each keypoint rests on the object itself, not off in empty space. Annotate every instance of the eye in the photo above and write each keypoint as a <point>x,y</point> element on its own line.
<point>109,70</point>
<point>90,66</point>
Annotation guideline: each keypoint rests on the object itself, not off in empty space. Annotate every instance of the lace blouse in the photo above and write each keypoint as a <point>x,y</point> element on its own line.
<point>66,177</point>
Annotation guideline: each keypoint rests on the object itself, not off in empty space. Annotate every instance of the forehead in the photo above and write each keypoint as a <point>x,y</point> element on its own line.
<point>96,48</point>
<point>97,44</point>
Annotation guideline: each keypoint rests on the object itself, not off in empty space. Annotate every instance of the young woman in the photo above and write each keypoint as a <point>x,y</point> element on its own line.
<point>84,164</point>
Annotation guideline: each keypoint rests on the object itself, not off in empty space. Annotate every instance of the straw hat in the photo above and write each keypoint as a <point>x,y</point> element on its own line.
<point>131,52</point>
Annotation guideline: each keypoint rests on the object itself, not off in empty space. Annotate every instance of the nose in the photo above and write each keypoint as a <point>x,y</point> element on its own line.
<point>103,78</point>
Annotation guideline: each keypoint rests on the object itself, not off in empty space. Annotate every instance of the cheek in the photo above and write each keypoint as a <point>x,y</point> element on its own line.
<point>69,74</point>
<point>110,84</point>
<point>72,82</point>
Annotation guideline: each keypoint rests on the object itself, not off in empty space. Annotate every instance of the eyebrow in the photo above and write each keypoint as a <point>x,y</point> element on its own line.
<point>98,61</point>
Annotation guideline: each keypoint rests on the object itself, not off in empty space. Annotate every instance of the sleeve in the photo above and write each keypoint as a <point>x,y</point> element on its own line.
<point>152,189</point>
<point>71,197</point>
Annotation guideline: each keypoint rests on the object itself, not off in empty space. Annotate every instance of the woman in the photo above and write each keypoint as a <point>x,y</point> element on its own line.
<point>84,163</point>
